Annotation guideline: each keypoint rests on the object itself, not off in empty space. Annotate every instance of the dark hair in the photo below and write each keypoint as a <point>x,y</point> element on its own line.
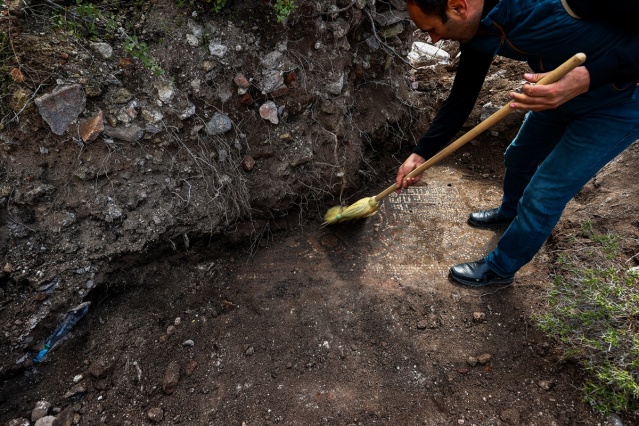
<point>432,7</point>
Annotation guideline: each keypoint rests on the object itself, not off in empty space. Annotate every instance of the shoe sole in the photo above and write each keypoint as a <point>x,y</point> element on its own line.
<point>468,283</point>
<point>488,225</point>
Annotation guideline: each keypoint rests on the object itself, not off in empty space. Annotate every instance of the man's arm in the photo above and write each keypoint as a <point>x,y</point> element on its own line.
<point>471,72</point>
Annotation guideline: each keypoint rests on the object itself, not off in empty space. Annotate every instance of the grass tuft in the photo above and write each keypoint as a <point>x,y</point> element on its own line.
<point>593,311</point>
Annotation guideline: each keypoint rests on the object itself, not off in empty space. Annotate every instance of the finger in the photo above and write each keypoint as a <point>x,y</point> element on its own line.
<point>531,102</point>
<point>534,77</point>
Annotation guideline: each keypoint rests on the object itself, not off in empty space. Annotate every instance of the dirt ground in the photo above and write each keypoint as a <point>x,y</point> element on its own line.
<point>217,303</point>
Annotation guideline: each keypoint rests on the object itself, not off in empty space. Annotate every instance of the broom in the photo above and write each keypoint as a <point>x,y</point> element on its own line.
<point>368,206</point>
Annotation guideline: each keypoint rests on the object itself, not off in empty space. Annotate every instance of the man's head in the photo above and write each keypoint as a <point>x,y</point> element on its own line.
<point>447,19</point>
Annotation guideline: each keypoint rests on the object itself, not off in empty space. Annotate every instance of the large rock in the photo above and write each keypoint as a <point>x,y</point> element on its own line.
<point>61,107</point>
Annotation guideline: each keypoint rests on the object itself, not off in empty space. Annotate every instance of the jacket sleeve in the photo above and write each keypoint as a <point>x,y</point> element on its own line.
<point>617,65</point>
<point>471,72</point>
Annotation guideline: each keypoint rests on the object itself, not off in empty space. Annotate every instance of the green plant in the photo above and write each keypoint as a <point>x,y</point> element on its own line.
<point>283,8</point>
<point>593,311</point>
<point>80,19</point>
<point>217,5</point>
<point>140,50</point>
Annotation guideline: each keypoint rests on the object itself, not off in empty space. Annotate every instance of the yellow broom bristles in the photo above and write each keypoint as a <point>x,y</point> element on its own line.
<point>363,208</point>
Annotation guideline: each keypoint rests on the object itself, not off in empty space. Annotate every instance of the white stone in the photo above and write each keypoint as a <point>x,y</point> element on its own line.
<point>268,111</point>
<point>192,40</point>
<point>335,88</point>
<point>420,50</point>
<point>40,410</point>
<point>217,49</point>
<point>45,421</point>
<point>103,49</point>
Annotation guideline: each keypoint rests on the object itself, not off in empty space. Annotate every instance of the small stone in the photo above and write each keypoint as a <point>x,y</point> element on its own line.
<point>195,28</point>
<point>241,81</point>
<point>152,116</point>
<point>208,66</point>
<point>248,163</point>
<point>335,88</point>
<point>189,343</point>
<point>219,124</point>
<point>40,410</point>
<point>8,268</point>
<point>192,40</point>
<point>113,213</point>
<point>268,111</point>
<point>171,378</point>
<point>246,99</point>
<point>614,420</point>
<point>165,91</point>
<point>90,129</point>
<point>472,361</point>
<point>45,421</point>
<point>290,78</point>
<point>249,351</point>
<point>20,99</point>
<point>121,96</point>
<point>484,359</point>
<point>422,325</point>
<point>170,330</point>
<point>101,368</point>
<point>78,378</point>
<point>224,93</point>
<point>103,49</point>
<point>272,80</point>
<point>188,112</point>
<point>18,422</point>
<point>545,384</point>
<point>17,75</point>
<point>65,418</point>
<point>392,30</point>
<point>128,134</point>
<point>272,61</point>
<point>155,414</point>
<point>216,49</point>
<point>75,390</point>
<point>479,316</point>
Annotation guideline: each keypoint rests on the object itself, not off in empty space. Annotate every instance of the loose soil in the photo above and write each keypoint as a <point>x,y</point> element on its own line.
<point>204,314</point>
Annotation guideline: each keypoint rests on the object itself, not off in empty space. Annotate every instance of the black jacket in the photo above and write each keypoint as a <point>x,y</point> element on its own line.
<point>617,65</point>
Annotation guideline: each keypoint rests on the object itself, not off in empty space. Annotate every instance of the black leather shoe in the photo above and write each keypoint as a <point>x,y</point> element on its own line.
<point>488,218</point>
<point>477,274</point>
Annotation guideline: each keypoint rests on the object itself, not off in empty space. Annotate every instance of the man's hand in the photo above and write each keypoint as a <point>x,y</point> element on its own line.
<point>539,98</point>
<point>411,163</point>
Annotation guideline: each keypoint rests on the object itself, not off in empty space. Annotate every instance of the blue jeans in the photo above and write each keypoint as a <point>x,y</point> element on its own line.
<point>555,153</point>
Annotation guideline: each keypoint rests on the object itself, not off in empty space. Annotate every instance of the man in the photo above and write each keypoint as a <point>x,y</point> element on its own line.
<point>572,130</point>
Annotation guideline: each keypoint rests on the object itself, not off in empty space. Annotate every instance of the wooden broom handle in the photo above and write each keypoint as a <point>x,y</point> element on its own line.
<point>551,77</point>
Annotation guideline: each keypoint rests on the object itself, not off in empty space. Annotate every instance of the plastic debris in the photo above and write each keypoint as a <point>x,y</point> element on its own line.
<point>70,320</point>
